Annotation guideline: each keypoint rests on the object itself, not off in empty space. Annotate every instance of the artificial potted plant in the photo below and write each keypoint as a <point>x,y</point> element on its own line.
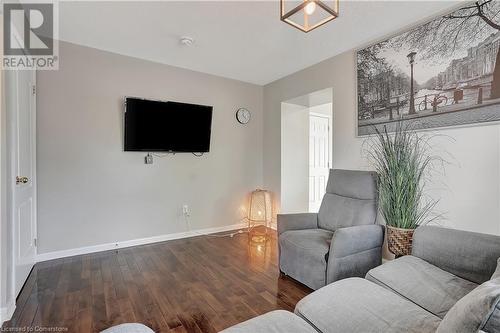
<point>401,159</point>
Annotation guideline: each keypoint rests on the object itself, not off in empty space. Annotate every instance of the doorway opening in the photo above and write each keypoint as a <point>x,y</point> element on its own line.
<point>306,150</point>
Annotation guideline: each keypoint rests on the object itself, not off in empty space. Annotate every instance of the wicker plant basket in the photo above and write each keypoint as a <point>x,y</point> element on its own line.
<point>399,240</point>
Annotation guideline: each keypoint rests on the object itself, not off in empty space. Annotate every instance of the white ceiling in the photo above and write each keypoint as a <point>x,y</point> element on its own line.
<point>243,40</point>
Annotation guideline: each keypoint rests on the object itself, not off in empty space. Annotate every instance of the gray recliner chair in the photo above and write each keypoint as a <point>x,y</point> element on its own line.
<point>341,240</point>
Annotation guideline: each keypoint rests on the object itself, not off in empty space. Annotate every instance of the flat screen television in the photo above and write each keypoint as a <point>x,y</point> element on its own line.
<point>156,126</point>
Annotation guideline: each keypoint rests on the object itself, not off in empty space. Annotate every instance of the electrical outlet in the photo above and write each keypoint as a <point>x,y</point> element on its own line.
<point>185,210</point>
<point>148,159</point>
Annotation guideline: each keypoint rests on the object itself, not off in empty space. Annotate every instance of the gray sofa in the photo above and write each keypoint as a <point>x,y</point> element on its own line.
<point>341,240</point>
<point>450,284</point>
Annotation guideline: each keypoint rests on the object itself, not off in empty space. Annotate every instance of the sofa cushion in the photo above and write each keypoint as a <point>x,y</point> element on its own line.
<point>469,255</point>
<point>278,321</point>
<point>358,305</point>
<point>478,310</point>
<point>303,255</point>
<point>422,283</point>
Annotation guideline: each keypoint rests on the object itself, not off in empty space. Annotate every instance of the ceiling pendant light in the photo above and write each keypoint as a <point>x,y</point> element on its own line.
<point>307,15</point>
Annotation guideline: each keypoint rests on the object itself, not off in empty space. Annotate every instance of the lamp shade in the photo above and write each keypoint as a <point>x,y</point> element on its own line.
<point>260,207</point>
<point>259,216</point>
<point>411,57</point>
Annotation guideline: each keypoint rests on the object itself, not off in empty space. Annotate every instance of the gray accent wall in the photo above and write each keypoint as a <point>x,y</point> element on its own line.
<point>469,189</point>
<point>91,192</point>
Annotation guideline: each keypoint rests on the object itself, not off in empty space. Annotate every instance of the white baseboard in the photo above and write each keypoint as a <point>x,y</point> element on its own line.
<point>134,242</point>
<point>7,312</point>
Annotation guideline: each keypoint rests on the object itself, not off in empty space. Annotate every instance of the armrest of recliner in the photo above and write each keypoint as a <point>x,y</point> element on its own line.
<point>297,222</point>
<point>354,251</point>
<point>352,240</point>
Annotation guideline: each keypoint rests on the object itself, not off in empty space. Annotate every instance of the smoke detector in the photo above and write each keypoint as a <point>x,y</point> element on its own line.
<point>187,41</point>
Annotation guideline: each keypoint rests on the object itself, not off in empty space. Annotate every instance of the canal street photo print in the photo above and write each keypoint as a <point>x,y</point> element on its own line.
<point>443,73</point>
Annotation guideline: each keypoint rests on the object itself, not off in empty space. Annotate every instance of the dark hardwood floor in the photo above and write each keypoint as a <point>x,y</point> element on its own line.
<point>200,284</point>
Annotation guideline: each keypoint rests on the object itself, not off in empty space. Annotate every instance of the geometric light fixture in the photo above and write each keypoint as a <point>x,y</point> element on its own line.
<point>259,215</point>
<point>307,15</point>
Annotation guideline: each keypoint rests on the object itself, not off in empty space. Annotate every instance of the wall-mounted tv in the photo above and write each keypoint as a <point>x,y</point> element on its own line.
<point>156,126</point>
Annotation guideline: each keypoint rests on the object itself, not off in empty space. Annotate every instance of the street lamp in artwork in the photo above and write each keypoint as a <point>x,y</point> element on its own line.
<point>411,59</point>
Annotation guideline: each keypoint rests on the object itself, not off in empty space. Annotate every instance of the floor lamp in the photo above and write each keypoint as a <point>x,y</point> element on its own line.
<point>259,215</point>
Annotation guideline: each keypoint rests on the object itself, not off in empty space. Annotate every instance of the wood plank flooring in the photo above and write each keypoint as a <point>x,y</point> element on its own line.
<point>200,284</point>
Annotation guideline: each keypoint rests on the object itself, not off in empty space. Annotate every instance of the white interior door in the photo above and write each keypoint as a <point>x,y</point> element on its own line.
<point>319,158</point>
<point>21,106</point>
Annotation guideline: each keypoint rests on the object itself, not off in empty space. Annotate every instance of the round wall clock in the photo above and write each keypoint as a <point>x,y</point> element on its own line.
<point>243,116</point>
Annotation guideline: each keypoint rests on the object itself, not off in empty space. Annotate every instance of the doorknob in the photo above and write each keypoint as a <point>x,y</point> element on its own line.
<point>21,180</point>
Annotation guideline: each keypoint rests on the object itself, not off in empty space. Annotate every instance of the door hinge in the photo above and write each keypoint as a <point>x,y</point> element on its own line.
<point>33,89</point>
<point>35,242</point>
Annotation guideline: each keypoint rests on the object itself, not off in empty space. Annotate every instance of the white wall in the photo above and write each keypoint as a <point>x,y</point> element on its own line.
<point>295,155</point>
<point>92,192</point>
<point>325,109</point>
<point>294,158</point>
<point>469,191</point>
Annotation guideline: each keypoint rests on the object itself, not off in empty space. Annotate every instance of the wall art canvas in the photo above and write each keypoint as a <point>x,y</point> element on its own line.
<point>443,73</point>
